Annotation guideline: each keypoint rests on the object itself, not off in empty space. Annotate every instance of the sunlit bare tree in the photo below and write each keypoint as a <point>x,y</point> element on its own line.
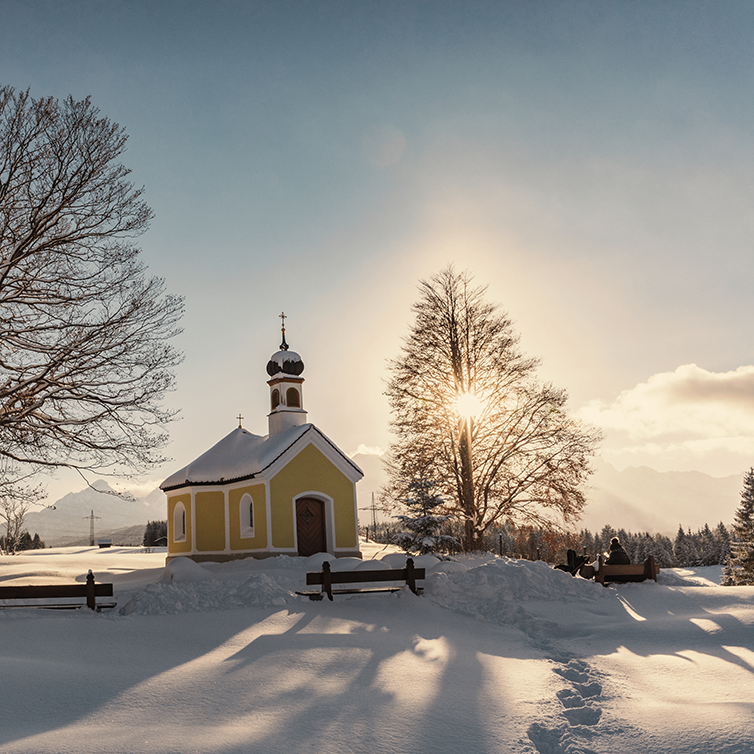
<point>85,353</point>
<point>468,411</point>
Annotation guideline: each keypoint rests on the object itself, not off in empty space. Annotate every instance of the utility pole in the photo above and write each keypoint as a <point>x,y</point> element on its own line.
<point>91,518</point>
<point>373,508</point>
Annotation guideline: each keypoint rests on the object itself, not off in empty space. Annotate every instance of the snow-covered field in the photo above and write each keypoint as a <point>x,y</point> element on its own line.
<point>497,656</point>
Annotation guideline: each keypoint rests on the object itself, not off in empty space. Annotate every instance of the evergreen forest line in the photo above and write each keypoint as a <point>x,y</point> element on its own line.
<point>25,541</point>
<point>688,549</point>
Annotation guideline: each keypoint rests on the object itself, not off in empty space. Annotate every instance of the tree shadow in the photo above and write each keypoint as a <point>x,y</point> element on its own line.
<point>419,671</point>
<point>358,675</point>
<point>66,665</point>
<point>682,621</point>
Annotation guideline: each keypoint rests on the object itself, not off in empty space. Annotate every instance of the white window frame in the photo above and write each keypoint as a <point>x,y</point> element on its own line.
<point>179,522</point>
<point>246,515</point>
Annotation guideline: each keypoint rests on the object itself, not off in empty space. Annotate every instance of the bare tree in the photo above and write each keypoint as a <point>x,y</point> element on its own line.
<point>13,511</point>
<point>85,357</point>
<point>468,411</point>
<point>17,497</point>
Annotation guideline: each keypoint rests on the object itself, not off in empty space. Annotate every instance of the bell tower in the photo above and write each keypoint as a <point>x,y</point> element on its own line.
<point>286,395</point>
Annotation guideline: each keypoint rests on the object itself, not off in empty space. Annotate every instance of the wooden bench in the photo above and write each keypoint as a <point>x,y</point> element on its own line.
<point>625,573</point>
<point>327,577</point>
<point>86,594</point>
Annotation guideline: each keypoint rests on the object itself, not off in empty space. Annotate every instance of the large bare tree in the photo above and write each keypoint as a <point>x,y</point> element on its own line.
<point>85,353</point>
<point>468,412</point>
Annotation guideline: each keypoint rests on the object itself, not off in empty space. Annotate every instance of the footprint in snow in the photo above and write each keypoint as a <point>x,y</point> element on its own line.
<point>583,715</point>
<point>570,698</point>
<point>588,690</point>
<point>573,672</point>
<point>554,741</point>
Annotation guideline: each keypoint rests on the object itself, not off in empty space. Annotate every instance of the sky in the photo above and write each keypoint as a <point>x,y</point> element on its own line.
<point>590,162</point>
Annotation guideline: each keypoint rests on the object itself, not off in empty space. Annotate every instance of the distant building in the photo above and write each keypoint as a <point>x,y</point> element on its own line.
<point>290,492</point>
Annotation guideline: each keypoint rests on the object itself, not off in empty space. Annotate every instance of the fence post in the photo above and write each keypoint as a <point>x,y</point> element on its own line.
<point>410,577</point>
<point>327,580</point>
<point>91,601</point>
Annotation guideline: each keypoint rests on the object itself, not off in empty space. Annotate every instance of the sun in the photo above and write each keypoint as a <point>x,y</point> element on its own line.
<point>468,405</point>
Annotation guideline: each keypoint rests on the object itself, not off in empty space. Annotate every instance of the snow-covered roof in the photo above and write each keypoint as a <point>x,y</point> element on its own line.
<point>242,455</point>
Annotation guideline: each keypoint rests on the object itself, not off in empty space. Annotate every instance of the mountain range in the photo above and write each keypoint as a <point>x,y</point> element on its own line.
<point>640,498</point>
<point>68,520</point>
<point>636,498</point>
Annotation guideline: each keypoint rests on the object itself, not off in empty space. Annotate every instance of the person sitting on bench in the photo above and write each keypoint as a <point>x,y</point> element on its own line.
<point>617,555</point>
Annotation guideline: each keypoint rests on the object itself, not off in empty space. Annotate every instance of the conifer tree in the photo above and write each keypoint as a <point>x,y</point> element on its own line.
<point>739,568</point>
<point>709,548</point>
<point>641,547</point>
<point>602,541</point>
<point>155,534</point>
<point>685,549</point>
<point>587,542</point>
<point>24,541</point>
<point>722,539</point>
<point>506,543</point>
<point>422,535</point>
<point>662,550</point>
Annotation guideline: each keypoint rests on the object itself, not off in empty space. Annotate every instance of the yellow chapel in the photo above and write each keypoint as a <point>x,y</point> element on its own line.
<point>290,492</point>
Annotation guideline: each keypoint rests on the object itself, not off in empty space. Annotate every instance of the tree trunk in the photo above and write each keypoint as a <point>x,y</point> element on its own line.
<point>467,485</point>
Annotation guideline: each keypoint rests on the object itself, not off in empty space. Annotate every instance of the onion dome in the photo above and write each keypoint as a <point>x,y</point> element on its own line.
<point>285,361</point>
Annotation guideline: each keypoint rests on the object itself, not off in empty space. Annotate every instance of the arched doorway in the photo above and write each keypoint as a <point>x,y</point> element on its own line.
<point>310,526</point>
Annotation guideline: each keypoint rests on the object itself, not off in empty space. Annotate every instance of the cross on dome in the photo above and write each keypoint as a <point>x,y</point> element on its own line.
<point>283,345</point>
<point>285,361</point>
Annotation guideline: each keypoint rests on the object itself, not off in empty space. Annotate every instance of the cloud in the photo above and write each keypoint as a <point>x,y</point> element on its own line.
<point>137,489</point>
<point>690,400</point>
<point>679,419</point>
<point>368,450</point>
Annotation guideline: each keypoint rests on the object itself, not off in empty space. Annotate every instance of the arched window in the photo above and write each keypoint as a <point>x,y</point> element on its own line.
<point>179,523</point>
<point>246,511</point>
<point>292,398</point>
<point>275,398</point>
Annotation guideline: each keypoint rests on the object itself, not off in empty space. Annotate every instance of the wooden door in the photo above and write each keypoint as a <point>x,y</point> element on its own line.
<point>310,526</point>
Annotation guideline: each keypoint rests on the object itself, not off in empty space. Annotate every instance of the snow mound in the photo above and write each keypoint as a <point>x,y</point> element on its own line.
<point>449,566</point>
<point>395,559</point>
<point>170,598</point>
<point>261,591</point>
<point>496,590</point>
<point>398,560</point>
<point>205,595</point>
<point>519,580</point>
<point>314,562</point>
<point>183,570</point>
<point>345,564</point>
<point>425,561</point>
